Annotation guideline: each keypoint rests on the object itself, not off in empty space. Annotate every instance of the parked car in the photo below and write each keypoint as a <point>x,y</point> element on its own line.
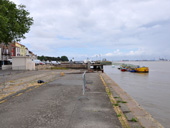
<point>37,62</point>
<point>78,62</point>
<point>47,62</point>
<point>54,63</point>
<point>92,62</point>
<point>41,63</point>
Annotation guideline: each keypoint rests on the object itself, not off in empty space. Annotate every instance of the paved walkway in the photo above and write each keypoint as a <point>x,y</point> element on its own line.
<point>59,104</point>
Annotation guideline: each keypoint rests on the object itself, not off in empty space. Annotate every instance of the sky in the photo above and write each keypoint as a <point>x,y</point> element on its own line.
<point>97,29</point>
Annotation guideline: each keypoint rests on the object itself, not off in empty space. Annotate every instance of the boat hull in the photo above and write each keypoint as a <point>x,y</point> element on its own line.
<point>142,70</point>
<point>132,70</point>
<point>123,69</point>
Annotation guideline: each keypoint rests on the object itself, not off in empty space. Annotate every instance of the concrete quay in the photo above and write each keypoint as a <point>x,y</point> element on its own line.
<point>132,110</point>
<point>59,103</point>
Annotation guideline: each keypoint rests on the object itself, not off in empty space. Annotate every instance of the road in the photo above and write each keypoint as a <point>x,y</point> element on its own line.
<point>59,104</point>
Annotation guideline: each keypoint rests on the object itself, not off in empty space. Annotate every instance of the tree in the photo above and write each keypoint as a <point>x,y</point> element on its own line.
<point>42,58</point>
<point>14,21</point>
<point>58,59</point>
<point>64,58</point>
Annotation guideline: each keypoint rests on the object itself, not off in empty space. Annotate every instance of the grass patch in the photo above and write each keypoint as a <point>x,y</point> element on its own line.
<point>118,115</point>
<point>116,97</point>
<point>58,68</point>
<point>116,104</point>
<point>125,116</point>
<point>112,101</point>
<point>123,102</point>
<point>119,101</point>
<point>133,120</point>
<point>106,63</point>
<point>109,93</point>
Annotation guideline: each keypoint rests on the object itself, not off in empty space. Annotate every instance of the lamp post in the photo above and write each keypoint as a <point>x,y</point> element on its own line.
<point>100,57</point>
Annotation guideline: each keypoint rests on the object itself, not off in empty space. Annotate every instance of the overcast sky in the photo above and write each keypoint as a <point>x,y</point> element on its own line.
<point>112,29</point>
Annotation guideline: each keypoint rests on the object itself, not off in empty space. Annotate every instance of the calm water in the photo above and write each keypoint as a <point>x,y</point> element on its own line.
<point>151,90</point>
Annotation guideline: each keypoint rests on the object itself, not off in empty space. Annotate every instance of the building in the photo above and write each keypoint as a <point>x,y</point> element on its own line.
<point>7,51</point>
<point>32,55</point>
<point>17,49</point>
<point>22,50</point>
<point>13,49</point>
<point>17,55</point>
<point>27,52</point>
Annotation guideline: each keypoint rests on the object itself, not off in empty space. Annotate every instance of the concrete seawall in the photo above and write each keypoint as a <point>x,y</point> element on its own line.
<point>144,118</point>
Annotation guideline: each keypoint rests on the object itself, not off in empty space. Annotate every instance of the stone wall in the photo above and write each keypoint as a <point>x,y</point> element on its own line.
<point>67,66</point>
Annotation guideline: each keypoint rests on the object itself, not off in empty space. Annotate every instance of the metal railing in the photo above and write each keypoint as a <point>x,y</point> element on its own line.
<point>3,79</point>
<point>7,76</point>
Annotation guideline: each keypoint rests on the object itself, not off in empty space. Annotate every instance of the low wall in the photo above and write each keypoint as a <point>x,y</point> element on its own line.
<point>21,67</point>
<point>43,67</point>
<point>6,67</point>
<point>69,66</point>
<point>72,66</point>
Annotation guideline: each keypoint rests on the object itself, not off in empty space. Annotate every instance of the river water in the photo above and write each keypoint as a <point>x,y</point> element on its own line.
<point>151,90</point>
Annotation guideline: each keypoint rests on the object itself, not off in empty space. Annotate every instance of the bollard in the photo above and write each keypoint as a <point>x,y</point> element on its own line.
<point>83,97</point>
<point>84,82</point>
<point>62,74</point>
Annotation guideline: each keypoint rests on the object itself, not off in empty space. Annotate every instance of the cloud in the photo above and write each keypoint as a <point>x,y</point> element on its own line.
<point>115,53</point>
<point>99,27</point>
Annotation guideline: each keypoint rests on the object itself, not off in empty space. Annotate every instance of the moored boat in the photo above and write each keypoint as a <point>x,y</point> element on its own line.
<point>113,66</point>
<point>142,69</point>
<point>123,69</point>
<point>132,70</point>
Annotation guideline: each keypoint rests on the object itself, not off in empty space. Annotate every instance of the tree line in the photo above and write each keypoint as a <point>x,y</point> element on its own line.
<point>45,58</point>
